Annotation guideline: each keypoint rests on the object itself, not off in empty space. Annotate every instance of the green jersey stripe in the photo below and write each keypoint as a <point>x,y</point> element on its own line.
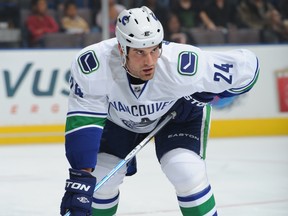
<point>74,122</point>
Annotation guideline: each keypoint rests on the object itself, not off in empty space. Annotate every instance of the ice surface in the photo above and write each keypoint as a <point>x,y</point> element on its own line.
<point>249,177</point>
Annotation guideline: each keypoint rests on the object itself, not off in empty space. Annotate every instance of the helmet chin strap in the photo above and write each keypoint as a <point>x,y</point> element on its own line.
<point>127,70</point>
<point>125,66</point>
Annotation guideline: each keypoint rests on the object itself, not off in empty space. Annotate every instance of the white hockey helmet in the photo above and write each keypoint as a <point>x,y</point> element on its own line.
<point>138,28</point>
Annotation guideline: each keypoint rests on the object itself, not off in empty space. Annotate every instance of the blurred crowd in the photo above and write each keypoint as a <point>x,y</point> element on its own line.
<point>75,23</point>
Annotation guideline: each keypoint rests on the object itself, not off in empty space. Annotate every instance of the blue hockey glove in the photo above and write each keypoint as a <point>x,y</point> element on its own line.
<point>79,192</point>
<point>187,108</point>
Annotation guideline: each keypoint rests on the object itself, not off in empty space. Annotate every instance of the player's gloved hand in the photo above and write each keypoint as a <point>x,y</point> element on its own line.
<point>187,108</point>
<point>79,192</point>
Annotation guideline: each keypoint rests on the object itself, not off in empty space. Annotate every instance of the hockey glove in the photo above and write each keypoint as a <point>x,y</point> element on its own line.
<point>187,108</point>
<point>79,192</point>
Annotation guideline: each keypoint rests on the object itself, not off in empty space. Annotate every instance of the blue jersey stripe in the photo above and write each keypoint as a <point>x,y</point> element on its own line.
<point>88,113</point>
<point>195,196</point>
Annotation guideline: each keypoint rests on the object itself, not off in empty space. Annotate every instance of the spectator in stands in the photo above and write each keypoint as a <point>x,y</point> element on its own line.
<point>39,23</point>
<point>278,25</point>
<point>174,33</point>
<point>188,12</point>
<point>71,22</point>
<point>114,10</point>
<point>253,13</point>
<point>219,14</point>
<point>60,4</point>
<point>256,14</point>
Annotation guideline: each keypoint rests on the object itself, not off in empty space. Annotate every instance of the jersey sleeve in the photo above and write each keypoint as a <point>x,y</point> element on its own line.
<point>87,110</point>
<point>229,73</point>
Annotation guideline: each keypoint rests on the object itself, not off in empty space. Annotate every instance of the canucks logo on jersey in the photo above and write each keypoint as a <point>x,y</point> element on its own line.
<point>137,125</point>
<point>88,62</point>
<point>187,63</point>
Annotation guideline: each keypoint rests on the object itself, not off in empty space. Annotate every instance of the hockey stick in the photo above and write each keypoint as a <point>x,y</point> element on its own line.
<point>133,152</point>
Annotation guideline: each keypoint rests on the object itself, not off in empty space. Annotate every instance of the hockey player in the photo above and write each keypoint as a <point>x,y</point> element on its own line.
<point>120,90</point>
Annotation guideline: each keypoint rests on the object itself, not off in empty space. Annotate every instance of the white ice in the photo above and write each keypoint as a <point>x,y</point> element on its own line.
<point>249,177</point>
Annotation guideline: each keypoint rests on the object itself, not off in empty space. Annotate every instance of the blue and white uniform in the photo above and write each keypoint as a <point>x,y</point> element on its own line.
<point>100,88</point>
<point>102,97</point>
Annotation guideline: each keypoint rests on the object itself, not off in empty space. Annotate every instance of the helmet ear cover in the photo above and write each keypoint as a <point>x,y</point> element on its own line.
<point>138,28</point>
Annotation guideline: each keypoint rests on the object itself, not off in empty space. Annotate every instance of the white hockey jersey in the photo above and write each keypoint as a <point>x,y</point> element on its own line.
<point>100,86</point>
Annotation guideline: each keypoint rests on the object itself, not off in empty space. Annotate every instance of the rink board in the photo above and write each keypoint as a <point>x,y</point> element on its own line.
<point>219,129</point>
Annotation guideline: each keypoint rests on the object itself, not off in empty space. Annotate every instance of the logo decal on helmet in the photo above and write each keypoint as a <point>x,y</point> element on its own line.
<point>125,20</point>
<point>147,33</point>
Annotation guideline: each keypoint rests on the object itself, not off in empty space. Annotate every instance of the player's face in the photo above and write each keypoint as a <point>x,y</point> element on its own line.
<point>142,62</point>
